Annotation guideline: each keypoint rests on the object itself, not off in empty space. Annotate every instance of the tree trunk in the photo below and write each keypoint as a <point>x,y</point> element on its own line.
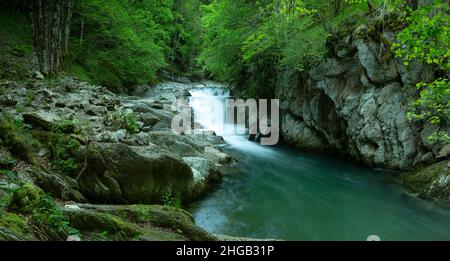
<point>50,21</point>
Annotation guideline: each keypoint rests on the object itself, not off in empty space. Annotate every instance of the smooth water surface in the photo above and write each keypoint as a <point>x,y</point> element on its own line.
<point>279,193</point>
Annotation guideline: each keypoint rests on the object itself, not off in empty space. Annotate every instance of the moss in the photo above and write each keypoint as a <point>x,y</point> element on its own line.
<point>16,225</point>
<point>428,182</point>
<point>26,199</point>
<point>19,143</point>
<point>160,216</point>
<point>110,226</point>
<point>45,214</point>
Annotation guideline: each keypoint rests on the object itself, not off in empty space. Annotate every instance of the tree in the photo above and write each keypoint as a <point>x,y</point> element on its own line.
<point>427,40</point>
<point>51,27</point>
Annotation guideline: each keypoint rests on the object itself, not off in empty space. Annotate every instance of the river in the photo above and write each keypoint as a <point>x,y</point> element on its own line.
<point>279,193</point>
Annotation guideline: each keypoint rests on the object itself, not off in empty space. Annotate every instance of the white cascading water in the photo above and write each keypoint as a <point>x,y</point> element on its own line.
<point>209,106</point>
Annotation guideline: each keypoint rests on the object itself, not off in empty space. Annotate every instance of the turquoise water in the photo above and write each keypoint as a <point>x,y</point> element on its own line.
<point>298,196</point>
<point>279,193</point>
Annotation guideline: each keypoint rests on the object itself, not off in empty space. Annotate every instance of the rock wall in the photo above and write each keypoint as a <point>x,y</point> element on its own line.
<point>355,103</point>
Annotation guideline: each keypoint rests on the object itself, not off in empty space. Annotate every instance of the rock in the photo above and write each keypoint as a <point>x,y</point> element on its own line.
<point>119,173</point>
<point>142,138</point>
<point>378,71</point>
<point>95,110</point>
<point>181,144</point>
<point>141,108</point>
<point>427,157</point>
<point>15,228</point>
<point>430,182</point>
<point>59,186</point>
<point>140,125</point>
<point>217,154</point>
<point>136,222</point>
<point>148,119</point>
<point>357,107</point>
<point>204,173</point>
<point>38,75</point>
<point>444,151</point>
<point>120,135</point>
<point>8,100</point>
<point>157,106</point>
<point>299,134</point>
<point>106,136</point>
<point>42,119</point>
<point>73,238</point>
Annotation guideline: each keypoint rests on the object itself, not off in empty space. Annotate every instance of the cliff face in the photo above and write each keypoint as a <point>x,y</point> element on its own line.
<point>355,103</point>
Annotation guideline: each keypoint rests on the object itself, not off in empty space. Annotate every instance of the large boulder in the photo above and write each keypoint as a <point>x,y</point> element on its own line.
<point>118,173</point>
<point>136,222</point>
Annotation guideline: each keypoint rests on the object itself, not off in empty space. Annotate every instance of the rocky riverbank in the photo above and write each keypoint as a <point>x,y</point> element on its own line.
<point>81,144</point>
<point>355,104</point>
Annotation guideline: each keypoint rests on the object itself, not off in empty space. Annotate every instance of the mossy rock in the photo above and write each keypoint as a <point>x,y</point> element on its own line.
<point>45,215</point>
<point>15,227</point>
<point>86,220</point>
<point>96,226</point>
<point>155,222</point>
<point>16,143</point>
<point>26,199</point>
<point>430,182</point>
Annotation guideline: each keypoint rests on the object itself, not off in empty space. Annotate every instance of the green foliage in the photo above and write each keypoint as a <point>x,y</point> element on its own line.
<point>124,42</point>
<point>45,213</point>
<point>187,35</point>
<point>62,148</point>
<point>49,217</point>
<point>427,39</point>
<point>227,25</point>
<point>30,96</point>
<point>129,122</point>
<point>124,120</point>
<point>255,43</point>
<point>170,200</point>
<point>20,108</point>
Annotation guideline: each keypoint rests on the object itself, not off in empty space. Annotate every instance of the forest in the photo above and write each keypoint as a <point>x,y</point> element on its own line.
<point>87,89</point>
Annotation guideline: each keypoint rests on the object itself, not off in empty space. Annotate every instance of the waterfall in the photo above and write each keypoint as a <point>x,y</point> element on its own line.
<point>209,107</point>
